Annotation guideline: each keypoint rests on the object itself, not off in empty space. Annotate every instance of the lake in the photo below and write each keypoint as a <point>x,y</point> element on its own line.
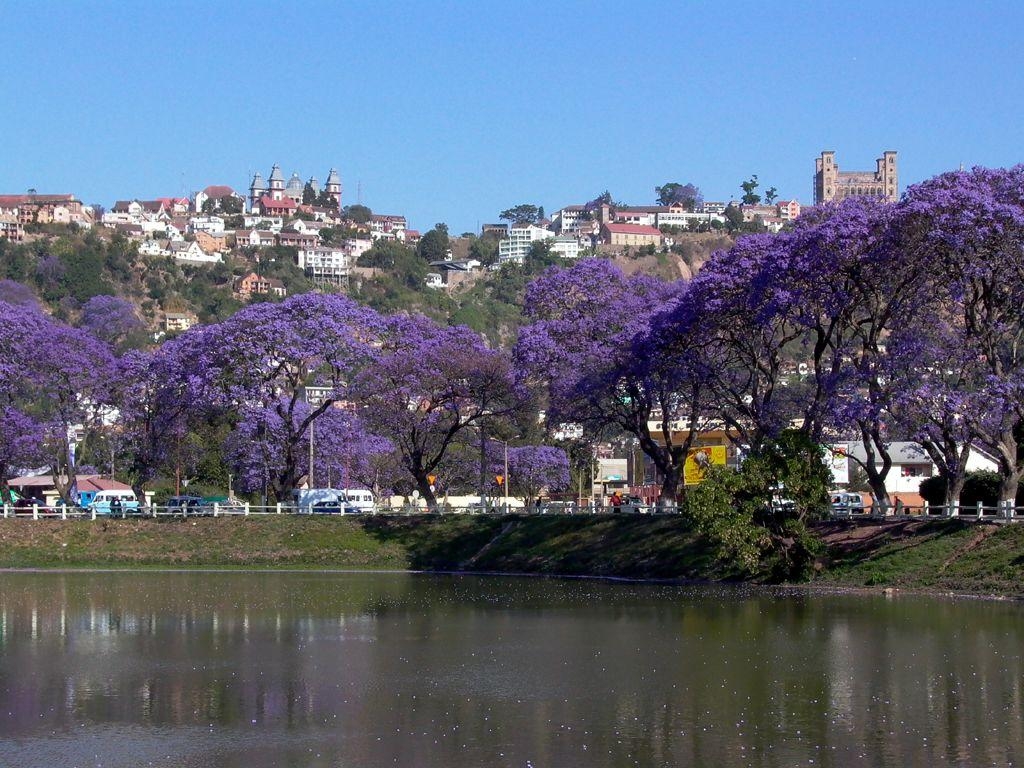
<point>374,669</point>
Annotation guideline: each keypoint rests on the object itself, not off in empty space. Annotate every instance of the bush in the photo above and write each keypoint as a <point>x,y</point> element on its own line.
<point>981,485</point>
<point>735,510</point>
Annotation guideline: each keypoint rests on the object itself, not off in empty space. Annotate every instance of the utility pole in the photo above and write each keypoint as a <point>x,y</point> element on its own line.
<point>483,468</point>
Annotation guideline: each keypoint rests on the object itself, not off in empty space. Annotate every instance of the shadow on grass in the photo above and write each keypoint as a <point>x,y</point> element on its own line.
<point>600,545</point>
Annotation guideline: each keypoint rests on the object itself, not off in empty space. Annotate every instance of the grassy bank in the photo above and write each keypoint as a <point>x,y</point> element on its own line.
<point>937,555</point>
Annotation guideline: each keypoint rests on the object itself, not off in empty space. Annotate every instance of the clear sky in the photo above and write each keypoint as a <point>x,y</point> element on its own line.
<point>453,111</point>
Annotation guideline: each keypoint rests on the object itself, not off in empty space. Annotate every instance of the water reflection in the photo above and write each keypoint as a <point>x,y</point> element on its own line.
<point>233,669</point>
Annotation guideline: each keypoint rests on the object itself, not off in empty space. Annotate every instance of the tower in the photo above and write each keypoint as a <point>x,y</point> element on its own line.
<point>256,190</point>
<point>276,183</point>
<point>333,187</point>
<point>294,188</point>
<point>825,175</point>
<point>888,175</point>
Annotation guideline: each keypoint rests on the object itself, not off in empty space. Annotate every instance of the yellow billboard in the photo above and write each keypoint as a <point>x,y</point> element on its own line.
<point>698,460</point>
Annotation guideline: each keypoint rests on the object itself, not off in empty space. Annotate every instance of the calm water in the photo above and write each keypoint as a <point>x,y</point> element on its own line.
<point>251,670</point>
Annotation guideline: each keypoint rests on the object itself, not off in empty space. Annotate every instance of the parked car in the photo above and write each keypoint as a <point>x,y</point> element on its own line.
<point>635,505</point>
<point>329,508</point>
<point>845,503</point>
<point>559,508</point>
<point>184,504</point>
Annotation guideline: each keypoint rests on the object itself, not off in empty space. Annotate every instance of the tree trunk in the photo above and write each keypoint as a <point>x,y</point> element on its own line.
<point>423,486</point>
<point>670,485</point>
<point>954,487</point>
<point>140,494</point>
<point>873,443</point>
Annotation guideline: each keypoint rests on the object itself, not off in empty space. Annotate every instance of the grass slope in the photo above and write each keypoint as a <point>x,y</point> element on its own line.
<point>940,555</point>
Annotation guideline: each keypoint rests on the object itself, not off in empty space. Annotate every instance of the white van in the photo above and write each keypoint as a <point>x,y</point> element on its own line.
<point>845,503</point>
<point>359,500</point>
<point>114,502</point>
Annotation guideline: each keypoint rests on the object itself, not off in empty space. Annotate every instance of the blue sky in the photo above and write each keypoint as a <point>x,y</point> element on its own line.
<point>453,111</point>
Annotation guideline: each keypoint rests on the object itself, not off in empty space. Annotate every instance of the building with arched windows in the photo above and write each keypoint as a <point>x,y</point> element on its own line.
<point>832,184</point>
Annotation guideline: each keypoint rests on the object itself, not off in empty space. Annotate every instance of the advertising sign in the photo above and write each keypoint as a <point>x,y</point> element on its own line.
<point>839,463</point>
<point>699,460</point>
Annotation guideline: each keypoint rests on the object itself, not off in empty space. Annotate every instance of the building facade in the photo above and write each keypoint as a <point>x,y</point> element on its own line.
<point>832,184</point>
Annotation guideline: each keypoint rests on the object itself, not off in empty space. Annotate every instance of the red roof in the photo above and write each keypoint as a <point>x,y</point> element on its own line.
<point>632,229</point>
<point>85,483</point>
<point>217,191</point>
<point>268,202</point>
<point>12,200</point>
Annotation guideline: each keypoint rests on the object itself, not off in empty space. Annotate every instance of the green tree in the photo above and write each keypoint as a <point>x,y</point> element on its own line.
<point>733,218</point>
<point>770,195</point>
<point>749,196</point>
<point>484,250</point>
<point>360,214</point>
<point>433,246</point>
<point>524,213</point>
<point>757,516</point>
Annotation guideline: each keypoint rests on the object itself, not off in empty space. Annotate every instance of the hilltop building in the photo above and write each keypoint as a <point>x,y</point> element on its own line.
<point>274,196</point>
<point>832,184</point>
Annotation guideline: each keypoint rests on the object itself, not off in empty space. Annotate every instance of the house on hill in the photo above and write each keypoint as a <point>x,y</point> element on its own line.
<point>630,234</point>
<point>252,284</point>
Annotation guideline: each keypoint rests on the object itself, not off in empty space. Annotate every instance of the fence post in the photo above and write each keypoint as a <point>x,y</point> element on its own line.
<point>981,509</point>
<point>954,509</point>
<point>92,512</point>
<point>247,509</point>
<point>35,511</point>
<point>216,508</point>
<point>278,507</point>
<point>63,511</point>
<point>5,509</point>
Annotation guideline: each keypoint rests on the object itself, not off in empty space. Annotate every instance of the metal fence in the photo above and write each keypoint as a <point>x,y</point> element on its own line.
<point>1002,512</point>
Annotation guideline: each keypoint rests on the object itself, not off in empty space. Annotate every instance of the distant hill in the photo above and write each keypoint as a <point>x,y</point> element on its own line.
<point>64,267</point>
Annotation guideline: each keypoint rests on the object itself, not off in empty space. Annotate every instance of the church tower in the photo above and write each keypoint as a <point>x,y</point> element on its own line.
<point>333,187</point>
<point>276,183</point>
<point>257,189</point>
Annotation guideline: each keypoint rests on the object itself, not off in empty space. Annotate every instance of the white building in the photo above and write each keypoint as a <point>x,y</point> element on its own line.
<point>326,265</point>
<point>910,465</point>
<point>516,247</point>
<point>152,248</point>
<point>566,247</point>
<point>683,219</point>
<point>214,225</point>
<point>191,253</point>
<point>270,223</point>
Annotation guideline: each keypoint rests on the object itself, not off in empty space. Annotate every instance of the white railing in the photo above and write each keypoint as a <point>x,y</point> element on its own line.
<point>1001,512</point>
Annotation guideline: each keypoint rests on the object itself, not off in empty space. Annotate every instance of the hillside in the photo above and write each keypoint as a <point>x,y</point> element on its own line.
<point>63,268</point>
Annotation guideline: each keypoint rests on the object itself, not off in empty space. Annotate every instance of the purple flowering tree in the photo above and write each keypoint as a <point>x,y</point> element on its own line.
<point>968,226</point>
<point>17,294</point>
<point>532,468</point>
<point>56,380</point>
<point>21,446</point>
<point>427,388</point>
<point>938,403</point>
<point>151,396</point>
<point>260,360</point>
<point>112,319</point>
<point>591,346</point>
<point>746,325</point>
<point>344,454</point>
